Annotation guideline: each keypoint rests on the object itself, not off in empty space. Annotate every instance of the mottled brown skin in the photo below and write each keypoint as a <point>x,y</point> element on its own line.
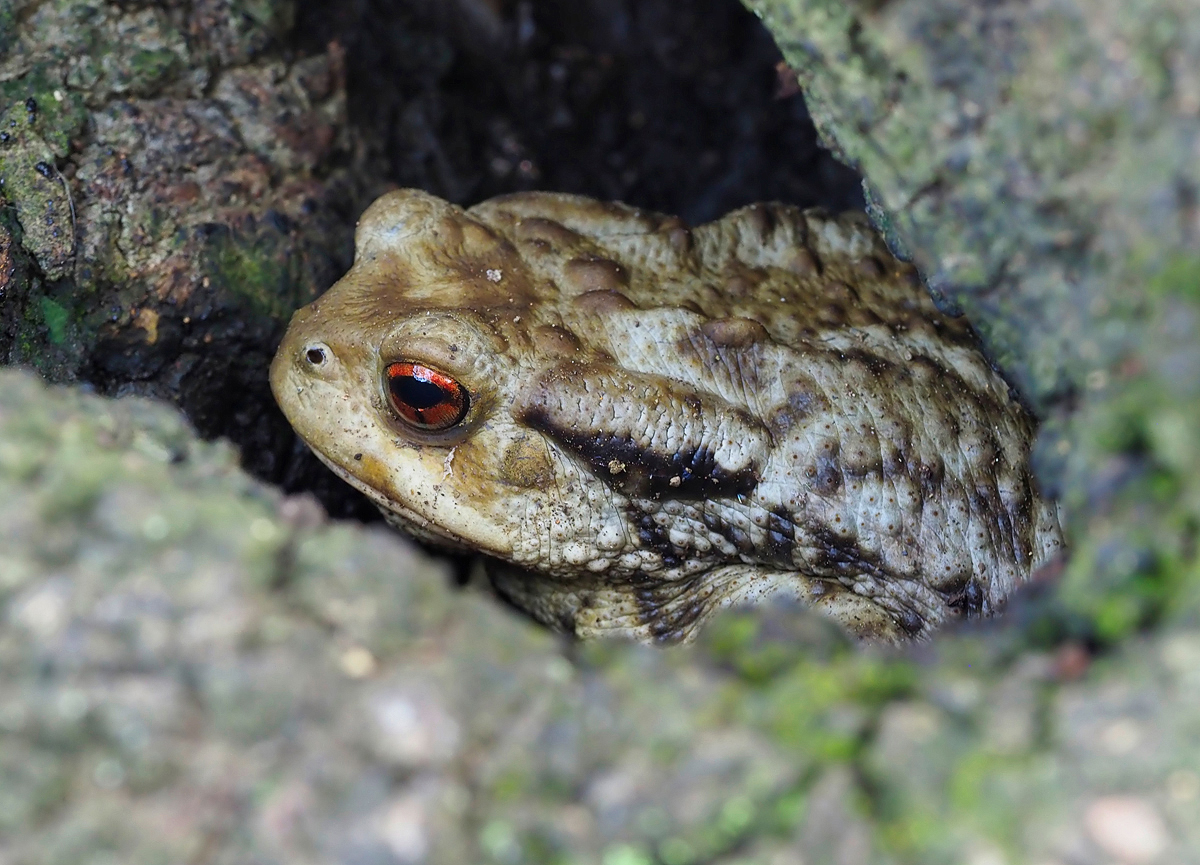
<point>665,420</point>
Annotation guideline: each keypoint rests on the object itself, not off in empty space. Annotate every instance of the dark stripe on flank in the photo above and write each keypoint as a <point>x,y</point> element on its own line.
<point>635,470</point>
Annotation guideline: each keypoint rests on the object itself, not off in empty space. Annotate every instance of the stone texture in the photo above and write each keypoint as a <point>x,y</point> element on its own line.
<point>193,666</point>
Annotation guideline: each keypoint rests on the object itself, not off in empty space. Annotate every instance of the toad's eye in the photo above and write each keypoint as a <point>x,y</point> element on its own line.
<point>425,398</point>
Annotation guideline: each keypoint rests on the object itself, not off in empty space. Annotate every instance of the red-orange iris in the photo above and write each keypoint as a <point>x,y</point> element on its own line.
<point>425,398</point>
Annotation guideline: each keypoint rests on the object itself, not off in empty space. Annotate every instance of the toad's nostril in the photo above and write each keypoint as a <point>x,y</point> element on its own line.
<point>315,355</point>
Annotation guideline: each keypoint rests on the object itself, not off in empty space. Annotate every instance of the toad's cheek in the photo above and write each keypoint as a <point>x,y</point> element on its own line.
<point>440,492</point>
<point>417,485</point>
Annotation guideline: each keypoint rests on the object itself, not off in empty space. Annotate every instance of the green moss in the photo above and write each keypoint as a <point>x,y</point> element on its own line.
<point>249,273</point>
<point>786,812</point>
<point>736,639</point>
<point>1116,591</point>
<point>626,854</point>
<point>677,851</point>
<point>511,786</point>
<point>1180,275</point>
<point>736,816</point>
<point>1141,443</point>
<point>51,328</point>
<point>499,841</point>
<point>38,193</point>
<point>55,315</point>
<point>147,70</point>
<point>259,269</point>
<point>915,835</point>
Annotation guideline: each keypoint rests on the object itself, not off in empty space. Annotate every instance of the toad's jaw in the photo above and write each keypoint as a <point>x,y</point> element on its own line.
<point>410,519</point>
<point>483,537</point>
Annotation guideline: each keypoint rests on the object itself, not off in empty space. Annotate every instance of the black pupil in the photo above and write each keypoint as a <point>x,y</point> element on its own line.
<point>416,392</point>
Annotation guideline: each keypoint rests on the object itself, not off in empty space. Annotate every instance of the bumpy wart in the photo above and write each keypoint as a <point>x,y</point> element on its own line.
<point>639,422</point>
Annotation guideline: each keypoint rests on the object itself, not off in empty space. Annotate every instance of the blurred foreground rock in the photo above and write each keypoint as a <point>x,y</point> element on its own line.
<point>194,667</point>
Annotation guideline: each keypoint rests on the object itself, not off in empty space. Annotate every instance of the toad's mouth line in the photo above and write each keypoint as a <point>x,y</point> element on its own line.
<point>417,525</point>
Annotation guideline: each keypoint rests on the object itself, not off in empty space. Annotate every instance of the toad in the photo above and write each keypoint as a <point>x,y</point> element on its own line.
<point>638,423</point>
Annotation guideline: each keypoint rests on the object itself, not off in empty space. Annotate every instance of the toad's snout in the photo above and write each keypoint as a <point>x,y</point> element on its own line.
<point>302,359</point>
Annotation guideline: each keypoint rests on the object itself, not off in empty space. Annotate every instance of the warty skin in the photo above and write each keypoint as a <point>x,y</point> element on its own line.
<point>662,421</point>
